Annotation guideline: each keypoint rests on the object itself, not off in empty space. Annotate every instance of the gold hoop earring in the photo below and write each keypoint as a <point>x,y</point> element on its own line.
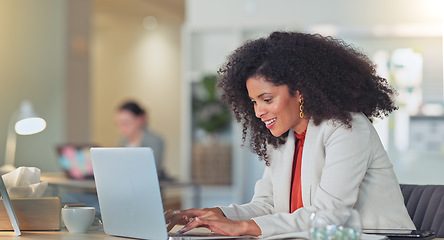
<point>301,107</point>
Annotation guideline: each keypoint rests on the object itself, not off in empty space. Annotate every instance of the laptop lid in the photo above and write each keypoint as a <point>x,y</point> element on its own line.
<point>9,208</point>
<point>129,195</point>
<point>128,192</point>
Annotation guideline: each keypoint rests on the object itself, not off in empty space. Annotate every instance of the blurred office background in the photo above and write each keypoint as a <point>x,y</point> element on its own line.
<point>77,60</point>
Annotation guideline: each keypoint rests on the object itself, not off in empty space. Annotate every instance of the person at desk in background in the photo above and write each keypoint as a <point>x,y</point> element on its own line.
<point>306,104</point>
<point>132,124</point>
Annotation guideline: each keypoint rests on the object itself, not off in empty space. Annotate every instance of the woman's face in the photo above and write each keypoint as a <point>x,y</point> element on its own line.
<point>129,124</point>
<point>274,105</point>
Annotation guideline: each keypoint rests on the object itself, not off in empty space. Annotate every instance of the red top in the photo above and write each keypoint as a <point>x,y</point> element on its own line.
<point>296,189</point>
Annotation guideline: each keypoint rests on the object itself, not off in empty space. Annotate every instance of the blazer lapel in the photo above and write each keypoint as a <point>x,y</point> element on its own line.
<point>308,155</point>
<point>283,175</point>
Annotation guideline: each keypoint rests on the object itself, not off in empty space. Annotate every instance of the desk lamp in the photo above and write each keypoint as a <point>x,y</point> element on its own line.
<point>24,121</point>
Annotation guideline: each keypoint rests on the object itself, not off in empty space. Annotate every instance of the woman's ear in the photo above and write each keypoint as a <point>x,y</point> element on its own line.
<point>298,94</point>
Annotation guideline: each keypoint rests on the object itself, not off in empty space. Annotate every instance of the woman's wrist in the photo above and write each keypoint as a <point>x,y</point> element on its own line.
<point>215,210</point>
<point>250,227</point>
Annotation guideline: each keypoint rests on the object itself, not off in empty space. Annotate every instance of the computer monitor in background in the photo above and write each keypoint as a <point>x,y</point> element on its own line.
<point>75,160</point>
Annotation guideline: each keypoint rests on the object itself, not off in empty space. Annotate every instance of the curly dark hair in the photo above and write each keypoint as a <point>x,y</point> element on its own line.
<point>334,78</point>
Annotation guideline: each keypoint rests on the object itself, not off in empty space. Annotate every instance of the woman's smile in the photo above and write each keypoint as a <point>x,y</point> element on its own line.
<point>269,123</point>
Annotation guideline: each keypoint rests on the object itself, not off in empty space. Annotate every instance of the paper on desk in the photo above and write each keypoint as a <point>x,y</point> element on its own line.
<point>24,182</point>
<point>305,235</point>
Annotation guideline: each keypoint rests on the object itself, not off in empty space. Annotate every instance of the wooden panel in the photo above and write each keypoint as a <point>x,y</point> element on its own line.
<point>33,213</point>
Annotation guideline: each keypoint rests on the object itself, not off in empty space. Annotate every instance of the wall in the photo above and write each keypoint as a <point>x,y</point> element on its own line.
<point>77,87</point>
<point>32,60</point>
<point>130,62</point>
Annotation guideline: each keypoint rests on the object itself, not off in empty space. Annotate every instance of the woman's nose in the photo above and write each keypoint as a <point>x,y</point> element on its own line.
<point>259,110</point>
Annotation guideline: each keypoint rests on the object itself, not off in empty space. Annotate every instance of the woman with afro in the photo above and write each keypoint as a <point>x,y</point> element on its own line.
<point>306,104</point>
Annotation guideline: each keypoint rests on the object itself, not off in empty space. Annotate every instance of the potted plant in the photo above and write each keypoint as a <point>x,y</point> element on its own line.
<point>211,157</point>
<point>210,114</point>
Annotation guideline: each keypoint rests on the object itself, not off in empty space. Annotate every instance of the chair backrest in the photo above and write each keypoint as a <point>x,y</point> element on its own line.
<point>425,204</point>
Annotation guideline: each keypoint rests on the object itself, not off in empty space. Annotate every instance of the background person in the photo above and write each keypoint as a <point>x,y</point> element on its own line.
<point>132,124</point>
<point>306,103</point>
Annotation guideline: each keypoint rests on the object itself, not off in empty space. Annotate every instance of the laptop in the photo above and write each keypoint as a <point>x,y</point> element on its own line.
<point>129,195</point>
<point>9,208</point>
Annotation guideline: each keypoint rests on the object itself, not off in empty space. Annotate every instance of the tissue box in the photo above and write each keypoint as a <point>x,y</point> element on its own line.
<point>33,213</point>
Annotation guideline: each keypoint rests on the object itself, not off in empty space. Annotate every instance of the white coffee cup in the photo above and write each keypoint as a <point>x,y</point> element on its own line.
<point>78,219</point>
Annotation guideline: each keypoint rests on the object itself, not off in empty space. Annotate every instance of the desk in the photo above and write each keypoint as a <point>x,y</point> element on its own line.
<point>57,235</point>
<point>60,180</point>
<point>65,235</point>
<point>95,233</point>
<point>88,185</point>
<point>62,235</point>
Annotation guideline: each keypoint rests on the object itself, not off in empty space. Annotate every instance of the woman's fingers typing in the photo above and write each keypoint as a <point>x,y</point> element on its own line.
<point>173,218</point>
<point>182,217</point>
<point>217,224</point>
<point>211,218</point>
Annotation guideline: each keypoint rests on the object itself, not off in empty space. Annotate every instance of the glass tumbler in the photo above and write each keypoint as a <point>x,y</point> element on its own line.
<point>335,224</point>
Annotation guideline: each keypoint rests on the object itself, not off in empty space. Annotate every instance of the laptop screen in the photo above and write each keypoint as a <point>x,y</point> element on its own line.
<point>75,161</point>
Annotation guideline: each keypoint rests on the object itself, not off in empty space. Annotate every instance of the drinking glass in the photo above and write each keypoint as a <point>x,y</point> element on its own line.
<point>335,224</point>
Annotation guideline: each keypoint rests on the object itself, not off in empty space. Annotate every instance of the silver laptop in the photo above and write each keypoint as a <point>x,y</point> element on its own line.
<point>129,194</point>
<point>9,209</point>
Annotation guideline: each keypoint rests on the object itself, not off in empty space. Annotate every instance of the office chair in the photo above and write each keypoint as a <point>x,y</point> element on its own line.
<point>425,205</point>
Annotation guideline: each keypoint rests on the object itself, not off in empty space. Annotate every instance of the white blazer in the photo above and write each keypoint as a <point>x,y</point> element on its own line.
<point>341,167</point>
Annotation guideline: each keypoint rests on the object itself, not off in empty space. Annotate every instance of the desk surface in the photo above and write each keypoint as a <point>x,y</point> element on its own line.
<point>96,234</point>
<point>60,179</point>
<point>57,235</point>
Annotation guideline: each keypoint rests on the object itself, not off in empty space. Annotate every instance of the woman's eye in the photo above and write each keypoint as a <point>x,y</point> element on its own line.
<point>267,100</point>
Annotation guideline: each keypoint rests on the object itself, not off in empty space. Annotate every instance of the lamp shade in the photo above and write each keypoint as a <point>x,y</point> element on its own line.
<point>28,122</point>
<point>24,121</point>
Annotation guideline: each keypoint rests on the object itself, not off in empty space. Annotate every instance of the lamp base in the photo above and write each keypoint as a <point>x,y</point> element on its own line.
<point>7,168</point>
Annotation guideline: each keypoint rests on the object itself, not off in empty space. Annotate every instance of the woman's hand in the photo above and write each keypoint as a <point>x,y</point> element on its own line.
<point>183,217</point>
<point>213,219</point>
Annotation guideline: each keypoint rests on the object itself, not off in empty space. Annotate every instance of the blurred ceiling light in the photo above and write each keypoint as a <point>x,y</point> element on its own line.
<point>433,7</point>
<point>150,23</point>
